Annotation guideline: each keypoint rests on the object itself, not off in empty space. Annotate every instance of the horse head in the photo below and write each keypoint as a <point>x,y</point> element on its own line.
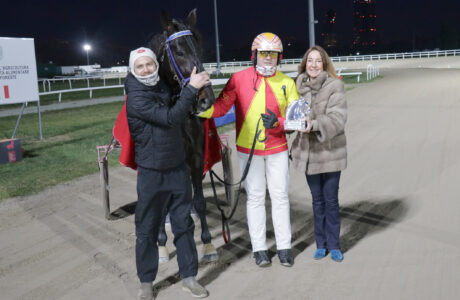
<point>179,50</point>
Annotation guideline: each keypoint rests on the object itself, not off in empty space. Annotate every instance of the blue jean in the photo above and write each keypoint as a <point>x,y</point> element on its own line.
<point>324,189</point>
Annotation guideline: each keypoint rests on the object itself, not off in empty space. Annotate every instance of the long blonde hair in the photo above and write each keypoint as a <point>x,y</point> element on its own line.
<point>327,63</point>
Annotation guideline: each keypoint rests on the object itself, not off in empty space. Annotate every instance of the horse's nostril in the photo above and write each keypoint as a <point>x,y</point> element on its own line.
<point>205,104</point>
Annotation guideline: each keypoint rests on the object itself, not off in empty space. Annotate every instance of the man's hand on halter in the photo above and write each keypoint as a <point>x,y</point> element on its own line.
<point>270,120</point>
<point>199,80</point>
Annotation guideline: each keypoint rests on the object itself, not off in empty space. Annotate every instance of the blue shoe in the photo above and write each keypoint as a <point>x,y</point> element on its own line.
<point>319,253</point>
<point>285,257</point>
<point>336,255</point>
<point>262,259</point>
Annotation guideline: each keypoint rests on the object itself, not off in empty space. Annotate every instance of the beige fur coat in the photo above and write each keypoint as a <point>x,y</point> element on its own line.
<point>324,148</point>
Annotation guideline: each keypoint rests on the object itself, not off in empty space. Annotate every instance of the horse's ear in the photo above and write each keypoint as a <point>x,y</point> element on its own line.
<point>191,18</point>
<point>166,21</point>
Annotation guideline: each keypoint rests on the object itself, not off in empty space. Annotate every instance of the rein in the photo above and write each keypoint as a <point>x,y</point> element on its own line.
<point>225,228</point>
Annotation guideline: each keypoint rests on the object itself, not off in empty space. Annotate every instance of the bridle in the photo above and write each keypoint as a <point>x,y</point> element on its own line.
<point>178,76</point>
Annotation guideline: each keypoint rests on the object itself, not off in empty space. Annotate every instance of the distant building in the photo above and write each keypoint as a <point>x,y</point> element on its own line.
<point>86,70</point>
<point>364,26</point>
<point>119,69</point>
<point>329,35</point>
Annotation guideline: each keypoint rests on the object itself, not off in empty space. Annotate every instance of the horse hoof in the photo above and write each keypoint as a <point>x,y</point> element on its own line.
<point>163,254</point>
<point>209,253</point>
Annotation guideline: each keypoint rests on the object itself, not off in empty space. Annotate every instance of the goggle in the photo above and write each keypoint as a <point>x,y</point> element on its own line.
<point>272,54</point>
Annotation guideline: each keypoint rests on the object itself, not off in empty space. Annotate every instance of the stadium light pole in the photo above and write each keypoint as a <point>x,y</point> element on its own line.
<point>217,39</point>
<point>311,23</point>
<point>87,47</point>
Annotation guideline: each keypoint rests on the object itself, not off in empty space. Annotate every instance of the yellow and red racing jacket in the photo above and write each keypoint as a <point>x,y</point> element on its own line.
<point>252,94</point>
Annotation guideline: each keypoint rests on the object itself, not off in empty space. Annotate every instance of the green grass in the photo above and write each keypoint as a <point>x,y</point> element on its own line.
<point>221,75</point>
<point>217,89</point>
<point>354,79</point>
<point>71,96</point>
<point>225,128</point>
<point>54,98</point>
<point>67,151</point>
<point>64,85</point>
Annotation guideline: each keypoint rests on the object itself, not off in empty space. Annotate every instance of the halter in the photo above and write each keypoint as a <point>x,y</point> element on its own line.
<point>184,33</point>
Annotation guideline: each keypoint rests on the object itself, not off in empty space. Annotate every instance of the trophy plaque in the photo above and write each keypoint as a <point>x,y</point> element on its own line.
<point>296,113</point>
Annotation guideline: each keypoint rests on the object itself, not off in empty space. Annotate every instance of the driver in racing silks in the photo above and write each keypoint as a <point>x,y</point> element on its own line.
<point>255,91</point>
<point>163,179</point>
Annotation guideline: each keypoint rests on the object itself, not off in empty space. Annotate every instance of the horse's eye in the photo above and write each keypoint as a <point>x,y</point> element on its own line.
<point>180,53</point>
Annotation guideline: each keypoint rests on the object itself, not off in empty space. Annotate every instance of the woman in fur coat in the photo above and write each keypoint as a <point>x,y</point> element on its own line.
<point>320,151</point>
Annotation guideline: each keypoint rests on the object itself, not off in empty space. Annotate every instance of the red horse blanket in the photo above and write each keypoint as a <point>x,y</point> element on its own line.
<point>212,144</point>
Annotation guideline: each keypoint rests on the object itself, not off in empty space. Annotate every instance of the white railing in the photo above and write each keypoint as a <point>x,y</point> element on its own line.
<point>340,73</point>
<point>404,55</point>
<point>90,89</point>
<point>216,81</point>
<point>47,82</point>
<point>372,71</point>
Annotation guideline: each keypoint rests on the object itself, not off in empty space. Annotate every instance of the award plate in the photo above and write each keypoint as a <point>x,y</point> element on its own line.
<point>294,125</point>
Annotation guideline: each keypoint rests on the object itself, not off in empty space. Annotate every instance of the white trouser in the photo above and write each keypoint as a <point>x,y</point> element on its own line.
<point>276,168</point>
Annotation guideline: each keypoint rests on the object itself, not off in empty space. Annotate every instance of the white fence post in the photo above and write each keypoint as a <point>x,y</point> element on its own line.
<point>372,72</point>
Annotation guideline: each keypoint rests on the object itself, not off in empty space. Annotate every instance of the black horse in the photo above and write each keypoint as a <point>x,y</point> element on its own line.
<point>178,50</point>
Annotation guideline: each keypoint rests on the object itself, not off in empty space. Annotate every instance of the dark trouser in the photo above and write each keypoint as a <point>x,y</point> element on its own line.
<point>324,190</point>
<point>157,191</point>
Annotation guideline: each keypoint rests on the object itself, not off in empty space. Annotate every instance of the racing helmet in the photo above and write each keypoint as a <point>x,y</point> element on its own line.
<point>266,41</point>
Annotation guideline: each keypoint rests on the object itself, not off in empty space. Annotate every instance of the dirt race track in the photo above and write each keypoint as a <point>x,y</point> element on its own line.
<point>399,204</point>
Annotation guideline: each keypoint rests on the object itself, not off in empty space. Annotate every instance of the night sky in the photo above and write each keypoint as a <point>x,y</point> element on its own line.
<point>113,28</point>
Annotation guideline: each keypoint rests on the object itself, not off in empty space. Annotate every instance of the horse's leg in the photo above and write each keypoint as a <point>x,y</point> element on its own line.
<point>163,253</point>
<point>194,144</point>
<point>195,159</point>
<point>199,203</point>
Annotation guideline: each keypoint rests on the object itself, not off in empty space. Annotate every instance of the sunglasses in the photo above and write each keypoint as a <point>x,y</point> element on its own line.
<point>272,54</point>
